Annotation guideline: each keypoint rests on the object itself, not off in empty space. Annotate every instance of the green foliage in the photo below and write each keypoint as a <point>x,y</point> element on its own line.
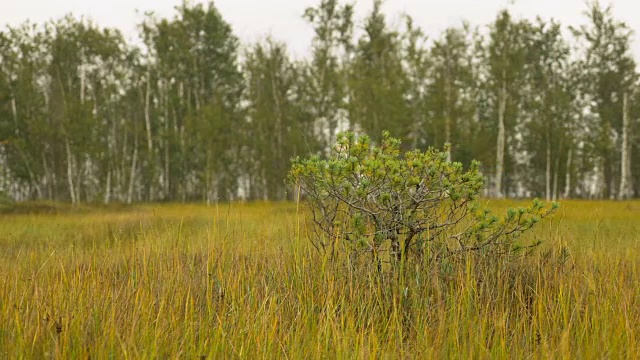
<point>279,126</point>
<point>5,200</point>
<point>192,114</point>
<point>378,79</point>
<point>607,75</point>
<point>394,206</point>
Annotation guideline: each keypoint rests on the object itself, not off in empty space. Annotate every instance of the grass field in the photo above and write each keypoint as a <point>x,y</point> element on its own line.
<point>240,281</point>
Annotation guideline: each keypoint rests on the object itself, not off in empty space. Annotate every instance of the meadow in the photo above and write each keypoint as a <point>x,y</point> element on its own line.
<point>242,281</point>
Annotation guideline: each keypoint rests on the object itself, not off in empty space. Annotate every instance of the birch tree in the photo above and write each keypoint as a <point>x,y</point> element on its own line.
<point>327,72</point>
<point>610,79</point>
<point>506,60</point>
<point>278,125</point>
<point>548,137</point>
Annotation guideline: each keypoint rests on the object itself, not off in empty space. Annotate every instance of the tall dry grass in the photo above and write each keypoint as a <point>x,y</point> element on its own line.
<point>240,281</point>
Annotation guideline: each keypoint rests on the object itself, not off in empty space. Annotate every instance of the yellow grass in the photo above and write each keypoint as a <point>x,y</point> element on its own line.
<point>240,281</point>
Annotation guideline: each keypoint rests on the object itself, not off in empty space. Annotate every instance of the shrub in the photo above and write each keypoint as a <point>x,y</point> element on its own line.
<point>375,200</point>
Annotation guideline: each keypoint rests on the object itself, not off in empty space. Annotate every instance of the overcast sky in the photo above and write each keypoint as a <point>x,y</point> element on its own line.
<point>253,19</point>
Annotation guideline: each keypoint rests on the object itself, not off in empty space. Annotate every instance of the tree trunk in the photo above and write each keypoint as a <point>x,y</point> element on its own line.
<point>147,115</point>
<point>447,126</point>
<point>132,176</point>
<point>72,189</point>
<point>601,181</point>
<point>278,191</point>
<point>167,168</point>
<point>181,133</point>
<point>567,183</point>
<point>107,190</point>
<point>625,167</point>
<point>554,193</point>
<point>501,139</point>
<point>47,177</point>
<point>14,109</point>
<point>548,170</point>
<point>147,122</point>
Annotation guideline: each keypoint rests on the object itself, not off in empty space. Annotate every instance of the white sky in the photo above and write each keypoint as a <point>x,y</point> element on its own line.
<point>253,19</point>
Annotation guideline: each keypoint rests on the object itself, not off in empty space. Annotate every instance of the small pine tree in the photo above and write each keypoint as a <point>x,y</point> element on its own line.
<point>375,200</point>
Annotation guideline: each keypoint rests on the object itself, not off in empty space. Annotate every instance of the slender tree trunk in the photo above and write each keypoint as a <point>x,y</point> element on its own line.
<point>147,123</point>
<point>167,175</point>
<point>167,184</point>
<point>132,176</point>
<point>601,180</point>
<point>625,168</point>
<point>567,183</point>
<point>72,189</point>
<point>147,115</point>
<point>182,184</point>
<point>501,139</point>
<point>48,173</point>
<point>108,192</point>
<point>278,191</point>
<point>548,170</point>
<point>76,185</point>
<point>447,127</point>
<point>107,189</point>
<point>14,109</point>
<point>123,184</point>
<point>554,196</point>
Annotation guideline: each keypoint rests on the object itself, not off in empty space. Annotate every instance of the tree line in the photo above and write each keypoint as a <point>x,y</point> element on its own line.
<point>190,114</point>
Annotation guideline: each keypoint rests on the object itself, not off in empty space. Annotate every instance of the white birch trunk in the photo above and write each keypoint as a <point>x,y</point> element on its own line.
<point>567,184</point>
<point>625,167</point>
<point>132,176</point>
<point>14,109</point>
<point>122,185</point>
<point>72,189</point>
<point>107,190</point>
<point>501,139</point>
<point>279,192</point>
<point>167,175</point>
<point>147,115</point>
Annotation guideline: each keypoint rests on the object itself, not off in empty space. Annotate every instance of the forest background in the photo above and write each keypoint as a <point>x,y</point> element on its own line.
<point>191,114</point>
